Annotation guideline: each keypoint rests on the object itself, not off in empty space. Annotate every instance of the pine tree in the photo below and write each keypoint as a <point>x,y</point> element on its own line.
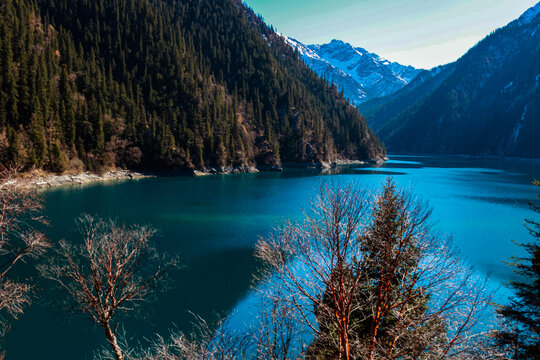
<point>390,261</point>
<point>68,113</point>
<point>521,316</point>
<point>169,78</point>
<point>38,138</point>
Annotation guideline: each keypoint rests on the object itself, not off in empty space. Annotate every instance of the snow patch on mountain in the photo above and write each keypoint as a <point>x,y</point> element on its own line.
<point>519,125</point>
<point>362,75</point>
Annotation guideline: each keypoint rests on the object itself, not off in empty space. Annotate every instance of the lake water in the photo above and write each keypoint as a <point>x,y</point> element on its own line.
<point>214,222</point>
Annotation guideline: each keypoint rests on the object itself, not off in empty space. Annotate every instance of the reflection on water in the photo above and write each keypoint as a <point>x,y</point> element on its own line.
<point>214,222</point>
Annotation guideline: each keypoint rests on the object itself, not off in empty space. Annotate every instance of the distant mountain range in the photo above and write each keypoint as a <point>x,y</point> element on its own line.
<point>486,103</point>
<point>360,74</point>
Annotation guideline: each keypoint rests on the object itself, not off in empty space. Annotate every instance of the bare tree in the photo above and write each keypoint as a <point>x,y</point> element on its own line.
<point>273,335</point>
<point>312,257</point>
<point>206,342</point>
<point>371,280</point>
<point>113,270</point>
<point>20,214</point>
<point>277,334</point>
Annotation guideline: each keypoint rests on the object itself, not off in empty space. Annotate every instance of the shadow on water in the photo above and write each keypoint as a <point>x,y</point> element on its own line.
<point>208,286</point>
<point>521,203</point>
<point>224,275</point>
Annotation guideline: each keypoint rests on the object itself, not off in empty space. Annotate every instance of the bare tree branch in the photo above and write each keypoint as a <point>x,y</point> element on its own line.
<point>20,214</point>
<point>371,279</point>
<point>113,270</point>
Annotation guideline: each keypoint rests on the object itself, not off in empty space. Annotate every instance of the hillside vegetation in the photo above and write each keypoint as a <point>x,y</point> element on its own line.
<point>486,103</point>
<point>156,84</point>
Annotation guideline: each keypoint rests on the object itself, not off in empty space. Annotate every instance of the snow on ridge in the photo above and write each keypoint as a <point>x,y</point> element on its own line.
<point>361,74</point>
<point>302,49</point>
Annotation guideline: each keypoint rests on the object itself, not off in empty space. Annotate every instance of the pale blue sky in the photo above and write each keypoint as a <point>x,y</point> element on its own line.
<point>423,33</point>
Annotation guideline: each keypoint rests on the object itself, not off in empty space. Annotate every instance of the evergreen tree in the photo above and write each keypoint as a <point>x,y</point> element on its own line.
<point>521,316</point>
<point>389,296</point>
<point>188,83</point>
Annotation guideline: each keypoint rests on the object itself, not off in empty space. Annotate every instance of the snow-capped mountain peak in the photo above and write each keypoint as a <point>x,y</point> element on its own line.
<point>362,75</point>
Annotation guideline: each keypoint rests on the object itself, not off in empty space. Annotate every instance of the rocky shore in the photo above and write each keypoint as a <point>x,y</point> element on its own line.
<point>51,180</point>
<point>44,180</point>
<point>333,164</point>
<point>223,170</point>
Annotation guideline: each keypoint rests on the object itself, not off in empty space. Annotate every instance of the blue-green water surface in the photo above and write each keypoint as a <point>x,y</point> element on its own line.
<point>214,222</point>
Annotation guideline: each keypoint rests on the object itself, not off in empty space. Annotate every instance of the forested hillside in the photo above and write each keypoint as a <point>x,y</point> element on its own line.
<point>487,103</point>
<point>162,84</point>
<point>379,110</point>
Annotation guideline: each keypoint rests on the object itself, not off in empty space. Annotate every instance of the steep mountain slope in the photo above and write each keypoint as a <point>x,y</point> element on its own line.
<point>362,75</point>
<point>379,110</point>
<point>488,105</point>
<point>162,84</point>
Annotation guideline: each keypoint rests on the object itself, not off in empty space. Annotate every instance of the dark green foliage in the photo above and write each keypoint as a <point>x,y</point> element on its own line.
<point>521,316</point>
<point>188,83</point>
<point>379,111</point>
<point>389,315</point>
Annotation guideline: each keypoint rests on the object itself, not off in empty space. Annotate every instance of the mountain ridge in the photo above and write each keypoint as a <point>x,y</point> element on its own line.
<point>487,103</point>
<point>361,75</point>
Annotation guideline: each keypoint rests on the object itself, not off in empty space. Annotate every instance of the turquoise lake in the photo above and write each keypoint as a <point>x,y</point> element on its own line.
<point>214,222</point>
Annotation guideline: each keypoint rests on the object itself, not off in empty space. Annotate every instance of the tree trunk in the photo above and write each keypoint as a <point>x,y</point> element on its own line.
<point>344,350</point>
<point>112,340</point>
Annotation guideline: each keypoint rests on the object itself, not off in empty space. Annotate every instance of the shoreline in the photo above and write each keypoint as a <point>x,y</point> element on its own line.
<point>473,157</point>
<point>224,170</point>
<point>48,181</point>
<point>333,164</point>
<point>41,180</point>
